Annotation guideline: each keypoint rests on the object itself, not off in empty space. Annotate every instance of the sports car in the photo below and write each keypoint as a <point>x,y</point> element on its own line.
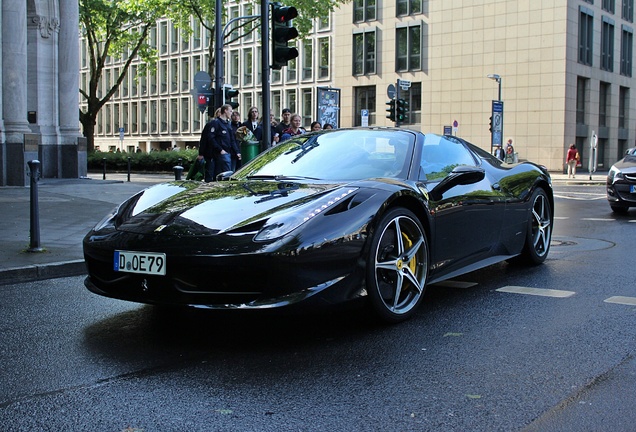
<point>621,183</point>
<point>371,215</point>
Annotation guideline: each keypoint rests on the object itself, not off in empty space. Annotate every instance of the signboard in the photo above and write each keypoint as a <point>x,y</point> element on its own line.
<point>404,84</point>
<point>328,106</point>
<point>447,130</point>
<point>390,91</point>
<point>121,134</point>
<point>497,123</point>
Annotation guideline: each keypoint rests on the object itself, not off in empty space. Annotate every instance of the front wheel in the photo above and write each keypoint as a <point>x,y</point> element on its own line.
<point>539,233</point>
<point>397,266</point>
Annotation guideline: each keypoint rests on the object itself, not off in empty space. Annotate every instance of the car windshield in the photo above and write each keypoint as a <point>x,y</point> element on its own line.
<point>351,154</point>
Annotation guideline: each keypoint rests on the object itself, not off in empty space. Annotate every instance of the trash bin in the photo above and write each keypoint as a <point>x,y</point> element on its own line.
<point>249,150</point>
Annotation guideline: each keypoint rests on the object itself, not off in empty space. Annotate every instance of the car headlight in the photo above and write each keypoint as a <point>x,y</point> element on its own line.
<point>614,174</point>
<point>285,223</point>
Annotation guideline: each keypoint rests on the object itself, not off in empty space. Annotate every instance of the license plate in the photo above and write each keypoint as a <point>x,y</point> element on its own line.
<point>632,188</point>
<point>140,262</point>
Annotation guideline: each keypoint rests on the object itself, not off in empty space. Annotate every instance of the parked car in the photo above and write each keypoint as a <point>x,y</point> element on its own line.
<point>367,214</point>
<point>621,183</point>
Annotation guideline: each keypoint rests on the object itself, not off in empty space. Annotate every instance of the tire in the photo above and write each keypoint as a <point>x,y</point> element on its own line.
<point>619,208</point>
<point>397,266</point>
<point>539,232</point>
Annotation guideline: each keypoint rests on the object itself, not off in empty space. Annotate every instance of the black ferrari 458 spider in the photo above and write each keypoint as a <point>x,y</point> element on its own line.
<point>325,218</point>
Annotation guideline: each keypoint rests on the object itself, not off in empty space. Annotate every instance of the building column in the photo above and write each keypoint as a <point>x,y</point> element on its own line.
<point>74,159</point>
<point>14,91</point>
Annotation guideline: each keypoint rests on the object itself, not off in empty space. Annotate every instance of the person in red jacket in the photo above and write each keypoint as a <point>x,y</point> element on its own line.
<point>572,159</point>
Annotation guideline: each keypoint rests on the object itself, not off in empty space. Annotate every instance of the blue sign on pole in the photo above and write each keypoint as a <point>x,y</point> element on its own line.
<point>497,123</point>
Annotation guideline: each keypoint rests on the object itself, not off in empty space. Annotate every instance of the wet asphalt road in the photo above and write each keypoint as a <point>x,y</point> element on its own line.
<point>475,357</point>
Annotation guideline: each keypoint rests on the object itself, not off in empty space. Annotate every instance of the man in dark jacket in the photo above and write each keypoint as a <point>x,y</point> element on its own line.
<point>218,143</point>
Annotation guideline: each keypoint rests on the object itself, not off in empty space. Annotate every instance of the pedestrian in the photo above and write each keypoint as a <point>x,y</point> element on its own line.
<point>327,126</point>
<point>236,123</point>
<point>285,121</point>
<point>315,126</point>
<point>510,151</point>
<point>294,128</point>
<point>253,123</point>
<point>572,159</point>
<point>218,143</point>
<point>499,153</point>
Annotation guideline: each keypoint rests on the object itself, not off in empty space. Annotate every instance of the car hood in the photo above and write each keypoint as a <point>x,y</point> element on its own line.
<point>627,164</point>
<point>196,208</point>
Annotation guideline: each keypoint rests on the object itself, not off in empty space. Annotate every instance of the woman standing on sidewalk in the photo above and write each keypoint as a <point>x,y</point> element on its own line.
<point>572,159</point>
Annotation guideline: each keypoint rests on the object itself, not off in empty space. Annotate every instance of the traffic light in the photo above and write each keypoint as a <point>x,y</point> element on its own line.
<point>282,33</point>
<point>402,111</point>
<point>228,94</point>
<point>490,124</point>
<point>391,110</point>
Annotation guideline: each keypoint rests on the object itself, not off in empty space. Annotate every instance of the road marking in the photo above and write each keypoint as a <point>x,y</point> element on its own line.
<point>630,301</point>
<point>562,217</point>
<point>455,284</point>
<point>599,219</point>
<point>536,291</point>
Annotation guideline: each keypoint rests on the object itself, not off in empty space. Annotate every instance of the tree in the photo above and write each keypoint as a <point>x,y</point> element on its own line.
<point>114,29</point>
<point>119,29</point>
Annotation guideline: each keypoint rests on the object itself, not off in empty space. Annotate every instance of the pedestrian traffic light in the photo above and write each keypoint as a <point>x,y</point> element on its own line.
<point>490,124</point>
<point>391,110</point>
<point>282,33</point>
<point>230,93</point>
<point>402,111</point>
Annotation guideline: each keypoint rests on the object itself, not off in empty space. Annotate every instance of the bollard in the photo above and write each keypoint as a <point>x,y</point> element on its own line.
<point>104,168</point>
<point>129,168</point>
<point>34,234</point>
<point>177,172</point>
<point>180,162</point>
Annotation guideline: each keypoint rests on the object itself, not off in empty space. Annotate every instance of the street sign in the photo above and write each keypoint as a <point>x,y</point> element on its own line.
<point>390,91</point>
<point>365,117</point>
<point>404,84</point>
<point>202,80</point>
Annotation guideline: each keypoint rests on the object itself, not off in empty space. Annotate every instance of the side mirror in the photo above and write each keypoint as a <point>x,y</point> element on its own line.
<point>460,175</point>
<point>225,175</point>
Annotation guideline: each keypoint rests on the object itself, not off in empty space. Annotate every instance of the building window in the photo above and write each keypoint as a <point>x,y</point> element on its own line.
<point>134,118</point>
<point>408,48</point>
<point>364,54</point>
<point>134,90</point>
<point>628,10</point>
<point>291,70</point>
<point>290,100</point>
<point>603,103</point>
<point>248,102</point>
<point>248,67</point>
<point>174,38</point>
<point>143,116</point>
<point>174,75</point>
<point>627,43</point>
<point>586,36</point>
<point>174,115</point>
<point>163,76</point>
<point>249,26</point>
<point>116,121</point>
<point>308,59</point>
<point>276,104</point>
<point>108,119</point>
<point>185,114</point>
<point>409,7</point>
<point>153,117</point>
<point>364,100</point>
<point>607,44</point>
<point>163,38</point>
<point>608,5</point>
<point>196,34</point>
<point>364,10</point>
<point>414,98</point>
<point>623,107</point>
<point>185,74</point>
<point>124,117</point>
<point>234,32</point>
<point>307,109</point>
<point>581,99</point>
<point>163,115</point>
<point>324,23</point>
<point>234,67</point>
<point>323,58</point>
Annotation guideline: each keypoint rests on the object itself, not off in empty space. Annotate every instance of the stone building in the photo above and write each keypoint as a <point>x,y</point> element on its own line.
<point>39,109</point>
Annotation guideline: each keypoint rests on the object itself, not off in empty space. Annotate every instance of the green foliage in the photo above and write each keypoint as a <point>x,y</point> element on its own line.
<point>156,161</point>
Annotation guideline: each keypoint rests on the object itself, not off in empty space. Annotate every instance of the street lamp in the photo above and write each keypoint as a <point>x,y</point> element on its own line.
<point>497,78</point>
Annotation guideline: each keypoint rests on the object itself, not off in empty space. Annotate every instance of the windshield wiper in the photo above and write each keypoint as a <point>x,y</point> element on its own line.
<point>282,191</point>
<point>279,177</point>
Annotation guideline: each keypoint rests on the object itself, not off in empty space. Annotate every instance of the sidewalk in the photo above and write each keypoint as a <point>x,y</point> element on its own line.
<point>69,208</point>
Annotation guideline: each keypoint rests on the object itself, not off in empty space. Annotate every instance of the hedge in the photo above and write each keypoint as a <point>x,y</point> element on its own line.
<point>156,161</point>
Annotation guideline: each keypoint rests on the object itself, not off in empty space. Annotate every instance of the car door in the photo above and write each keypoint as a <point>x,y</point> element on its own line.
<point>467,218</point>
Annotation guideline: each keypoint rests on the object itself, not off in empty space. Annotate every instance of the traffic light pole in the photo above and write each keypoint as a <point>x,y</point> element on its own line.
<point>267,124</point>
<point>218,54</point>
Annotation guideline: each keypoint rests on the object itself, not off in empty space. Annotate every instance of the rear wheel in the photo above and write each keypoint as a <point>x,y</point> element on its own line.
<point>539,233</point>
<point>397,266</point>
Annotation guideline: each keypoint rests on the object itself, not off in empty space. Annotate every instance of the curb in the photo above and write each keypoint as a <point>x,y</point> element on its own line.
<point>41,272</point>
